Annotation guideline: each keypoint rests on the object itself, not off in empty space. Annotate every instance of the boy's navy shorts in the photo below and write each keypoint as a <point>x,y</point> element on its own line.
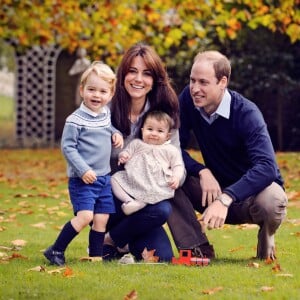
<point>96,197</point>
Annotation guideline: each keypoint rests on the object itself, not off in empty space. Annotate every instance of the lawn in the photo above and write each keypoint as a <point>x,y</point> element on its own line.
<point>34,205</point>
<point>7,121</point>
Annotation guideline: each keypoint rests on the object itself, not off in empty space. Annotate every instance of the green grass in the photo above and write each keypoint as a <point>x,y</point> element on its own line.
<point>7,120</point>
<point>34,204</point>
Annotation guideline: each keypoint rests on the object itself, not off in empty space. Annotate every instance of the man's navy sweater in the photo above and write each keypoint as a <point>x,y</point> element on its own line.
<point>238,151</point>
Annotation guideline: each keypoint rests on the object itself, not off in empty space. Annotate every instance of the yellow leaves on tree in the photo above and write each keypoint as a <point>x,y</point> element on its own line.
<point>117,24</point>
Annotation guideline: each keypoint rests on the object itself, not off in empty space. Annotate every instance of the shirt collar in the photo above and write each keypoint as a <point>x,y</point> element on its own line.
<point>223,109</point>
<point>89,111</point>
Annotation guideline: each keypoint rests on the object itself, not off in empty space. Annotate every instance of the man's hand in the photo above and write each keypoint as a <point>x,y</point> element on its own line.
<point>210,187</point>
<point>214,216</point>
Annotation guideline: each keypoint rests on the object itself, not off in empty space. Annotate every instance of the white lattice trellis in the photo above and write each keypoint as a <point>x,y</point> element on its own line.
<point>35,99</point>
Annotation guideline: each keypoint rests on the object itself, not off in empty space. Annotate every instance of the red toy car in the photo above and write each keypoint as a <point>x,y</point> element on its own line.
<point>186,258</point>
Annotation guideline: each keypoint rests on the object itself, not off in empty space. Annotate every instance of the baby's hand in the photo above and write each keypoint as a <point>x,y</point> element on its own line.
<point>174,183</point>
<point>89,177</point>
<point>117,140</point>
<point>123,158</point>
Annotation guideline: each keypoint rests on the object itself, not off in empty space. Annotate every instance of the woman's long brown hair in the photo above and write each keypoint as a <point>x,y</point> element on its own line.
<point>161,97</point>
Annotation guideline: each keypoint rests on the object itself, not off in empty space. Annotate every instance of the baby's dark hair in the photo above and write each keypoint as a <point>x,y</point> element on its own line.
<point>159,116</point>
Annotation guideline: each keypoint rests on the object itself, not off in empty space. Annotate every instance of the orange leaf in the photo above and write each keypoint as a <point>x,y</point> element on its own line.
<point>91,259</point>
<point>236,249</point>
<point>38,269</point>
<point>254,265</point>
<point>131,296</point>
<point>267,288</point>
<point>68,272</point>
<point>56,271</point>
<point>284,275</point>
<point>40,225</point>
<point>277,268</point>
<point>148,256</point>
<point>17,255</point>
<point>212,291</point>
<point>19,242</point>
<point>269,261</point>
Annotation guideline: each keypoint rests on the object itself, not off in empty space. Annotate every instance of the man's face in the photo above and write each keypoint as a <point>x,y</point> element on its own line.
<point>205,89</point>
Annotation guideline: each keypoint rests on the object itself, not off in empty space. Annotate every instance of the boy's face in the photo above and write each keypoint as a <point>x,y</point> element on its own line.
<point>96,93</point>
<point>155,132</point>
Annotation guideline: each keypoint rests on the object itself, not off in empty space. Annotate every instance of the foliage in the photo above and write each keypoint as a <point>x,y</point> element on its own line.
<point>107,27</point>
<point>266,69</point>
<point>261,37</point>
<point>34,206</point>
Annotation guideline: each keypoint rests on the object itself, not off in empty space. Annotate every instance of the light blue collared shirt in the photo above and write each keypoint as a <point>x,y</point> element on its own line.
<point>223,109</point>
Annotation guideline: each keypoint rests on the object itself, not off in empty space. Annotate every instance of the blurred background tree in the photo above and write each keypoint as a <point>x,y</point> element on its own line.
<point>261,37</point>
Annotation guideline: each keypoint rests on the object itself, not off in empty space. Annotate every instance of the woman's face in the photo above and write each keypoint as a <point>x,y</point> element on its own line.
<point>138,81</point>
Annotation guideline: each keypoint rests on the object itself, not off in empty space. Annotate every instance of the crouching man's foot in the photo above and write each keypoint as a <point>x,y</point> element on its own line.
<point>204,250</point>
<point>266,247</point>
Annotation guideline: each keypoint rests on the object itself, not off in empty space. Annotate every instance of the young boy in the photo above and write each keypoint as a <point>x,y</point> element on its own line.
<point>86,145</point>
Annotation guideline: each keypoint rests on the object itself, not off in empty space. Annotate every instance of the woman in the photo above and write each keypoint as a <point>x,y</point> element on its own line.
<point>142,85</point>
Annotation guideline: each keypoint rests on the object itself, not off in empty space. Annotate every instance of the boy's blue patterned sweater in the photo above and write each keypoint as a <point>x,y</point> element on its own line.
<point>86,141</point>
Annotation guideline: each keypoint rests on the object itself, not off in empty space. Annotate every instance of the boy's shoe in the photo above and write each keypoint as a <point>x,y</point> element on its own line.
<point>55,257</point>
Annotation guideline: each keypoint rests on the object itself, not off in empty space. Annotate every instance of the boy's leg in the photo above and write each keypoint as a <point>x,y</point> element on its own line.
<point>55,253</point>
<point>96,243</point>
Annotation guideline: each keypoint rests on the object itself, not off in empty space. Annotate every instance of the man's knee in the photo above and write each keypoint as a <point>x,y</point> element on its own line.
<point>270,205</point>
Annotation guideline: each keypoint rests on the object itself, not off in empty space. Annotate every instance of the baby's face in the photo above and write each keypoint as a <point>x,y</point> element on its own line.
<point>155,132</point>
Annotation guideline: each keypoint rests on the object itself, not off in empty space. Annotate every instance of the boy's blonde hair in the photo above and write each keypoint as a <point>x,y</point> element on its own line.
<point>103,71</point>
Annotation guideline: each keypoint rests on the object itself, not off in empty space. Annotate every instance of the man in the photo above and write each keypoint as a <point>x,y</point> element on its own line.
<point>240,181</point>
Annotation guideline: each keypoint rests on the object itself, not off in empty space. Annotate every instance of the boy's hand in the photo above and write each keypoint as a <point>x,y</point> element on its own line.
<point>117,140</point>
<point>89,177</point>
